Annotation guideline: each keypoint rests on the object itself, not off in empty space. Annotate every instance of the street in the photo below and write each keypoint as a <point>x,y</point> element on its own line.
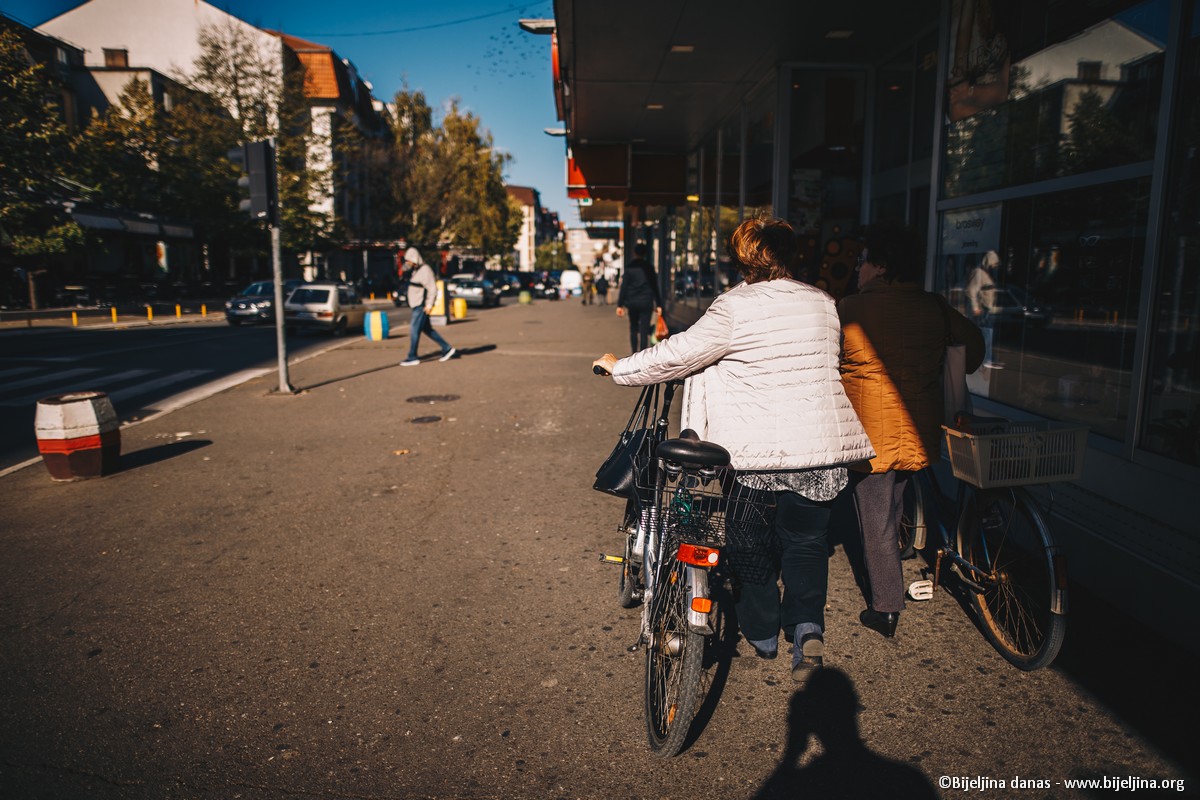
<point>387,585</point>
<point>141,368</point>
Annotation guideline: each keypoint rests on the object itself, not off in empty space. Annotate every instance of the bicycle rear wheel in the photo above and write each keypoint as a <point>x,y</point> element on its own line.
<point>1019,598</point>
<point>673,663</point>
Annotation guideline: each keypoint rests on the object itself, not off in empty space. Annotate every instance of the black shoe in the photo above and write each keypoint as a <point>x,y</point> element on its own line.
<point>882,622</point>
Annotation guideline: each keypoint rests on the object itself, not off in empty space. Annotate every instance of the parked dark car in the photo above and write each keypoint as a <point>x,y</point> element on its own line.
<point>256,302</point>
<point>508,281</point>
<point>539,285</point>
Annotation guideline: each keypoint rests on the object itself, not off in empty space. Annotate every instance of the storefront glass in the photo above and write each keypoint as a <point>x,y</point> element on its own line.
<point>760,151</point>
<point>1053,281</point>
<point>1044,90</point>
<point>1172,419</point>
<point>825,172</point>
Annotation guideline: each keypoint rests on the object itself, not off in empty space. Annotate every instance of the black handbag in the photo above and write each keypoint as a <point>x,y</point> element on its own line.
<point>617,475</point>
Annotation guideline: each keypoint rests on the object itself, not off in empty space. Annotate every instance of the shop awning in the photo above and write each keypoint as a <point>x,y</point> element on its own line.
<point>98,221</point>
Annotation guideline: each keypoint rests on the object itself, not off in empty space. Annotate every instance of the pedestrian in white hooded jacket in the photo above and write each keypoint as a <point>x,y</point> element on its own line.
<point>763,381</point>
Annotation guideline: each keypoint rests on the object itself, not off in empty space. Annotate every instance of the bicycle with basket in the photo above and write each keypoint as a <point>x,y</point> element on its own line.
<point>689,528</point>
<point>1003,554</point>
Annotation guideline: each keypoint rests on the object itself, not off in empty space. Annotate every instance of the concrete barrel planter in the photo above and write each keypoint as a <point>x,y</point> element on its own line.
<point>78,435</point>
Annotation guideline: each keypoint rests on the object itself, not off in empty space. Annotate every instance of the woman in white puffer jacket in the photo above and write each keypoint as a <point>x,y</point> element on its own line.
<point>763,382</point>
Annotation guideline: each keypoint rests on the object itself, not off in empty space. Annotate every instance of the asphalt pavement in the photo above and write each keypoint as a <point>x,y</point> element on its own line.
<point>387,586</point>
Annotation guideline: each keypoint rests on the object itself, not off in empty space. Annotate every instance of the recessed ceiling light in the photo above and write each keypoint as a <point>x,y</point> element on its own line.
<point>837,34</point>
<point>683,48</point>
<point>654,106</point>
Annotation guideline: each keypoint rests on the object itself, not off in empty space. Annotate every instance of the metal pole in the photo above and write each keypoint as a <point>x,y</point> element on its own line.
<point>285,387</point>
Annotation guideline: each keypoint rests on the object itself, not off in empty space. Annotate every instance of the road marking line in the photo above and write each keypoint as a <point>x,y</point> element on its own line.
<point>157,383</point>
<point>48,377</point>
<point>98,384</point>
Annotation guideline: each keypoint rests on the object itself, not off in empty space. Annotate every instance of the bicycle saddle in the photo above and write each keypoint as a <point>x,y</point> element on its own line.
<point>692,452</point>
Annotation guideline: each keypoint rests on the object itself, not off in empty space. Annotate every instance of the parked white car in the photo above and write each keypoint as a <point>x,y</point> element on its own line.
<point>325,306</point>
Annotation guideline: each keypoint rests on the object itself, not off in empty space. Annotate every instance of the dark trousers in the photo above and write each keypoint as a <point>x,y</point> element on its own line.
<point>802,526</point>
<point>879,498</point>
<point>640,320</point>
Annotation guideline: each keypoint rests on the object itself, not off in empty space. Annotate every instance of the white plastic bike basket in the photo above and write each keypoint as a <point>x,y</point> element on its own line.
<point>1017,453</point>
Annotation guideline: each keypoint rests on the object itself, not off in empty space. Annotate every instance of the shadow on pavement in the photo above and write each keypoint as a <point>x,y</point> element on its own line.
<point>827,709</point>
<point>153,455</point>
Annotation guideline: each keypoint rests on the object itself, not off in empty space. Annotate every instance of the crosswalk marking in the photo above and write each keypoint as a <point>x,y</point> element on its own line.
<point>157,383</point>
<point>96,384</point>
<point>52,376</point>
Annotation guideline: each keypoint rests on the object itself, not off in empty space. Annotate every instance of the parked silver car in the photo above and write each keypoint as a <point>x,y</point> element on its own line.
<point>325,306</point>
<point>255,303</point>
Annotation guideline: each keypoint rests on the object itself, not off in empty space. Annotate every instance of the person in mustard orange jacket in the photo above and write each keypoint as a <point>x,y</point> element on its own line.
<point>894,336</point>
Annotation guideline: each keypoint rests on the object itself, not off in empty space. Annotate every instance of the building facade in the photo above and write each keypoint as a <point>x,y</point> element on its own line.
<point>1052,145</point>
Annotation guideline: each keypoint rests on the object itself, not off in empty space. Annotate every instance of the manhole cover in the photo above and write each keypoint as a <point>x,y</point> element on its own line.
<point>423,420</point>
<point>432,398</point>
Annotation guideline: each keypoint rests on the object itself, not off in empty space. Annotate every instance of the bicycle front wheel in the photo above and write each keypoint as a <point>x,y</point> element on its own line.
<point>1019,595</point>
<point>673,663</point>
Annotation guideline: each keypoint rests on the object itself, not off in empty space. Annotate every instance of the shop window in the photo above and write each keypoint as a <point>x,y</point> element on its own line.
<point>1037,91</point>
<point>1172,421</point>
<point>825,168</point>
<point>1053,281</point>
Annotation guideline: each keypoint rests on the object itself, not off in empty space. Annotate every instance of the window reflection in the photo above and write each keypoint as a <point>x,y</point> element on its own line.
<point>1029,106</point>
<point>1172,422</point>
<point>1053,282</point>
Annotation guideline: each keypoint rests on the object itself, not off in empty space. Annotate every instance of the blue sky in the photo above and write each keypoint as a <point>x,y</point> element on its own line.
<point>470,49</point>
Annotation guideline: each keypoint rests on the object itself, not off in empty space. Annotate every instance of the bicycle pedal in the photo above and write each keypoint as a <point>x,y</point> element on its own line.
<point>921,590</point>
<point>607,559</point>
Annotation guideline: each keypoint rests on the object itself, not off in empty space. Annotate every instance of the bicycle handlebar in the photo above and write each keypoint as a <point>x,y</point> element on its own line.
<point>599,370</point>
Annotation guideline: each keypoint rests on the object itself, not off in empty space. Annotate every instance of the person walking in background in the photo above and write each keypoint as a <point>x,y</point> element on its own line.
<point>762,382</point>
<point>422,296</point>
<point>981,297</point>
<point>602,289</point>
<point>894,339</point>
<point>588,285</point>
<point>639,298</point>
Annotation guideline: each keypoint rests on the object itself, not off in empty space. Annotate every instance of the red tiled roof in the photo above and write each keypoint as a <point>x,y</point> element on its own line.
<point>320,71</point>
<point>524,195</point>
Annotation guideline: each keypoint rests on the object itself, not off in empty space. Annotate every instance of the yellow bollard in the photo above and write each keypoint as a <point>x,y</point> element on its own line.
<point>372,295</point>
<point>204,309</point>
<point>74,319</point>
<point>150,313</point>
<point>458,308</point>
<point>178,311</point>
<point>114,313</point>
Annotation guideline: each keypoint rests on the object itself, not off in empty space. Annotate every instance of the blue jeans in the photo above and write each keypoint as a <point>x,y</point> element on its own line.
<point>420,324</point>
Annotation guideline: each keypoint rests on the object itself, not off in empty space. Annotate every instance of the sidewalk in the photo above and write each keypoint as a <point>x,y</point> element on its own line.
<point>387,586</point>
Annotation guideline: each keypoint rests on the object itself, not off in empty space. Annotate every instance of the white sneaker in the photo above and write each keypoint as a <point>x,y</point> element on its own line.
<point>410,362</point>
<point>449,354</point>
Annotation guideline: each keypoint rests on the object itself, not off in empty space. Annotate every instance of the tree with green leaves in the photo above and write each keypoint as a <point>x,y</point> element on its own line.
<point>449,180</point>
<point>33,144</point>
<point>552,255</point>
<point>261,84</point>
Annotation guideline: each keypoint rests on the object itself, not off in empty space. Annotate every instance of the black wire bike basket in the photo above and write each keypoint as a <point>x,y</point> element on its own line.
<point>709,507</point>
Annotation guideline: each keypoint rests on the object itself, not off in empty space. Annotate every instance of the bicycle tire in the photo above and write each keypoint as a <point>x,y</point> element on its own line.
<point>629,585</point>
<point>674,658</point>
<point>911,532</point>
<point>1022,604</point>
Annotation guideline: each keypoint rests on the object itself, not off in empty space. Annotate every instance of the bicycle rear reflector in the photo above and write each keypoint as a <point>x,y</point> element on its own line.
<point>702,604</point>
<point>698,555</point>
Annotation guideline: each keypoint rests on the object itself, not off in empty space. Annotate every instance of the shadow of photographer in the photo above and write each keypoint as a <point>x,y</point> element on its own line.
<point>827,709</point>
